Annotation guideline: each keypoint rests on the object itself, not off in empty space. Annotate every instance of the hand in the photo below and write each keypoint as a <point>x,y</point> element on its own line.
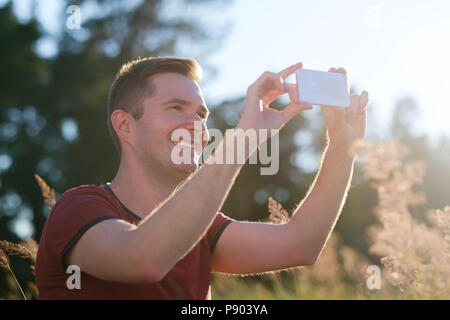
<point>345,125</point>
<point>269,86</point>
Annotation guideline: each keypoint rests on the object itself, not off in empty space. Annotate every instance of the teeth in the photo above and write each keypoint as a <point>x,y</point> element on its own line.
<point>184,144</point>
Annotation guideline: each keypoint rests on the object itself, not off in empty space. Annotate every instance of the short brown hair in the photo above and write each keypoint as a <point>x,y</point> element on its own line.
<point>128,88</point>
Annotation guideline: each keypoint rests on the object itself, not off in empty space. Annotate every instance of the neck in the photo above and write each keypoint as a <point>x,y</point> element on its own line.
<point>141,189</point>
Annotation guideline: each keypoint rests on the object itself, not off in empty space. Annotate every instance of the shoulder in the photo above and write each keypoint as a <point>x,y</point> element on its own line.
<point>80,206</point>
<point>83,193</point>
<point>77,210</point>
<point>84,196</point>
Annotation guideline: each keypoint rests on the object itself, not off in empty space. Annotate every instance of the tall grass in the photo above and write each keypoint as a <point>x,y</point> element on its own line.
<point>26,250</point>
<point>415,252</point>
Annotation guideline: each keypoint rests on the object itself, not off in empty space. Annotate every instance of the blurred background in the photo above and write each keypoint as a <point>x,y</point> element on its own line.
<point>58,61</point>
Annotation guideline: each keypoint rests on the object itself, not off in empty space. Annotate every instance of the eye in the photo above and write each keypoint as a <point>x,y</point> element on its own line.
<point>178,108</point>
<point>202,115</point>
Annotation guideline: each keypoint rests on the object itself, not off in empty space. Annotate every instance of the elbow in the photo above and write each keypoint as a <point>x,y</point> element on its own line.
<point>150,271</point>
<point>146,267</point>
<point>309,261</point>
<point>147,270</point>
<point>151,274</point>
<point>305,257</point>
<point>303,260</point>
<point>312,256</point>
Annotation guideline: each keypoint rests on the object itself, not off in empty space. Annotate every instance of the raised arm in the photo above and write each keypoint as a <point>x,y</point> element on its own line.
<point>316,216</point>
<point>117,251</point>
<point>252,247</point>
<point>255,247</point>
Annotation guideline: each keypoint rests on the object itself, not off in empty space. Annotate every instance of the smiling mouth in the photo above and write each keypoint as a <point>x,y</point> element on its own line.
<point>183,144</point>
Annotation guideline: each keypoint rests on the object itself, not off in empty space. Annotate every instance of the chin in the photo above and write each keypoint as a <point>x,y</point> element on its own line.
<point>190,166</point>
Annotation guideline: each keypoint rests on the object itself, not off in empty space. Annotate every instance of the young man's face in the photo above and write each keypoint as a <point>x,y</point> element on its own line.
<point>176,102</point>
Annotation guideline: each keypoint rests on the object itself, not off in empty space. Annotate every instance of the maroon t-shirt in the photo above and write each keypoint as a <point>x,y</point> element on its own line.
<point>82,207</point>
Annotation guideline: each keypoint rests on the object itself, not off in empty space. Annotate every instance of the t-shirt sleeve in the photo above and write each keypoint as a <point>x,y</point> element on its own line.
<point>72,216</point>
<point>215,230</point>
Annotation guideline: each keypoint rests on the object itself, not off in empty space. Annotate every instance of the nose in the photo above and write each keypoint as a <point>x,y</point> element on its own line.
<point>198,129</point>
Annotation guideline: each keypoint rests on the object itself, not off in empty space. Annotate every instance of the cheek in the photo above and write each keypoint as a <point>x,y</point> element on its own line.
<point>155,133</point>
<point>146,134</point>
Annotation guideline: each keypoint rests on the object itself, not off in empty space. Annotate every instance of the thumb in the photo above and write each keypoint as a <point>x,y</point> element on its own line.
<point>364,100</point>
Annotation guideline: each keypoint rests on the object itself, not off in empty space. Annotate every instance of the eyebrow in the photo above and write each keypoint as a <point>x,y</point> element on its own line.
<point>185,102</point>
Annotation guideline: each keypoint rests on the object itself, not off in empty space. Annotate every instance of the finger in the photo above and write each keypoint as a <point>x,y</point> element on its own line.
<point>341,70</point>
<point>294,109</point>
<point>290,70</point>
<point>352,110</point>
<point>270,81</point>
<point>293,85</point>
<point>332,69</point>
<point>363,101</point>
<point>291,88</point>
<point>293,94</point>
<point>270,86</point>
<point>270,97</point>
<point>266,76</point>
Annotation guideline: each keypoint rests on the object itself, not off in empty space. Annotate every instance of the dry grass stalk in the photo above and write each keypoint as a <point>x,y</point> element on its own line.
<point>443,219</point>
<point>15,249</point>
<point>32,246</point>
<point>47,192</point>
<point>415,254</point>
<point>278,215</point>
<point>4,261</point>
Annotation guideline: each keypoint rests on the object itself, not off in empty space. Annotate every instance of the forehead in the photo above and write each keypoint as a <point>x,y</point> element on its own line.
<point>174,85</point>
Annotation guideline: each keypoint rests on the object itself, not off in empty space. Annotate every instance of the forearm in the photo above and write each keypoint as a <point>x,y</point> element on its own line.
<point>175,226</point>
<point>316,215</point>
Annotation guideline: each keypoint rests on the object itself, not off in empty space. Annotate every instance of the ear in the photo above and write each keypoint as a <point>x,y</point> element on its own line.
<point>123,126</point>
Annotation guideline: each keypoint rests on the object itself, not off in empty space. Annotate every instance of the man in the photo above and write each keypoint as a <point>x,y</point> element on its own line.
<point>155,231</point>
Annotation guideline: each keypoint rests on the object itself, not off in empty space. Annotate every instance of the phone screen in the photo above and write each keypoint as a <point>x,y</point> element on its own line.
<point>323,88</point>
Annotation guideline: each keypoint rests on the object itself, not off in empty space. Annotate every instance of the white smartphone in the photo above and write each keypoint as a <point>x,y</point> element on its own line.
<point>323,88</point>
